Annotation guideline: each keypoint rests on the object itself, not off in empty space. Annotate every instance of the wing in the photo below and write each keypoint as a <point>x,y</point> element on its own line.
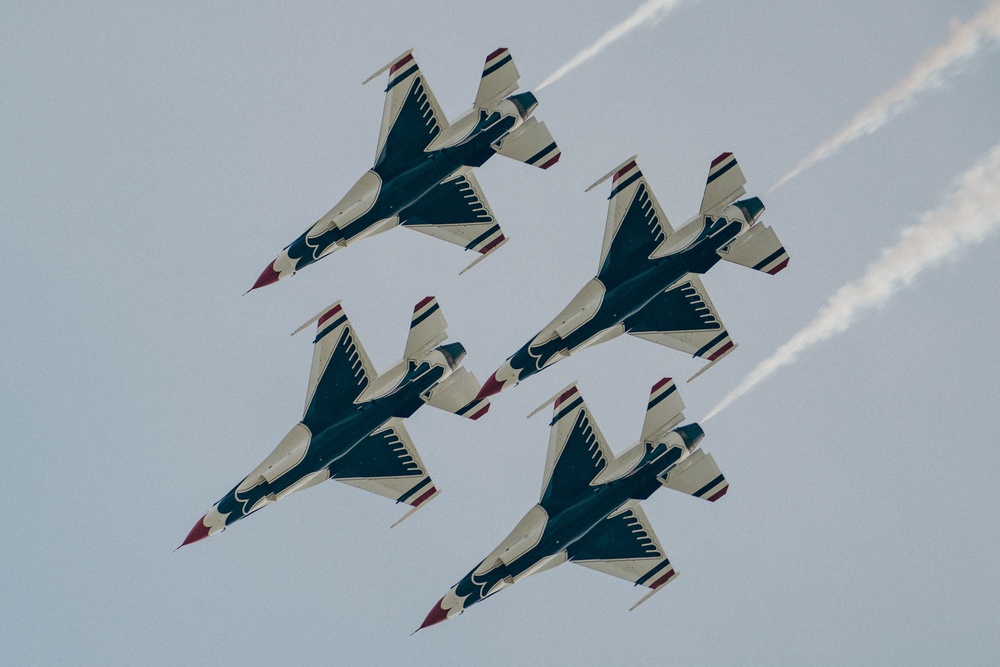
<point>725,183</point>
<point>387,463</point>
<point>340,369</point>
<point>410,120</point>
<point>499,79</point>
<point>685,319</point>
<point>636,224</point>
<point>456,211</point>
<point>577,453</point>
<point>623,545</point>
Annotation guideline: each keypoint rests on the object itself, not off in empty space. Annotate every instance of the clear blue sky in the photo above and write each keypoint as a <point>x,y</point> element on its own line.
<point>154,159</point>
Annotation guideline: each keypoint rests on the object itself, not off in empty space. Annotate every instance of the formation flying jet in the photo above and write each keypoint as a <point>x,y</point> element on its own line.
<point>647,284</point>
<point>352,430</point>
<point>422,178</point>
<point>589,512</point>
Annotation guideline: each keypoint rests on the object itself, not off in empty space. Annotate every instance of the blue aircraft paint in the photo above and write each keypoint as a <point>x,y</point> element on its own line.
<point>410,174</point>
<point>633,283</point>
<point>347,438</point>
<point>578,521</point>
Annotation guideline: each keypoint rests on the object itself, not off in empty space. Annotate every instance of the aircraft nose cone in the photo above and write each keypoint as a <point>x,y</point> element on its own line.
<point>491,387</point>
<point>267,277</point>
<point>436,615</point>
<point>199,532</point>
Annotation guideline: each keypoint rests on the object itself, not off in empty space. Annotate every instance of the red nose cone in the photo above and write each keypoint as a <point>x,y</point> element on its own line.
<point>492,387</point>
<point>438,614</point>
<point>199,532</point>
<point>268,277</point>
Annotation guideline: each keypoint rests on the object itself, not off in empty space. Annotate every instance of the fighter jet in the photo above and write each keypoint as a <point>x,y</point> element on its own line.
<point>422,178</point>
<point>648,283</point>
<point>352,429</point>
<point>589,512</point>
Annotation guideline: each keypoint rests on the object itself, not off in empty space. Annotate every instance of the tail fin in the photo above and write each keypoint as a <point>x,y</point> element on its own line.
<point>758,247</point>
<point>725,183</point>
<point>499,79</point>
<point>664,411</point>
<point>531,143</point>
<point>427,329</point>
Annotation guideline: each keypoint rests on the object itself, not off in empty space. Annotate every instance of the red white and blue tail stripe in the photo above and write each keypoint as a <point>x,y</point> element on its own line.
<point>499,79</point>
<point>724,184</point>
<point>664,410</point>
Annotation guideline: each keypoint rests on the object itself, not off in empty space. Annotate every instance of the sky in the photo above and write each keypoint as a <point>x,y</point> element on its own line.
<point>154,159</point>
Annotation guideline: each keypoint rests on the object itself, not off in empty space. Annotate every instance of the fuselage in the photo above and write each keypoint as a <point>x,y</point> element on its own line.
<point>566,521</point>
<point>381,197</point>
<point>696,251</point>
<point>316,450</point>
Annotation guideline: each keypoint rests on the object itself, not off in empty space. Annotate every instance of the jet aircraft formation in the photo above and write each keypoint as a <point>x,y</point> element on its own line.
<point>647,285</point>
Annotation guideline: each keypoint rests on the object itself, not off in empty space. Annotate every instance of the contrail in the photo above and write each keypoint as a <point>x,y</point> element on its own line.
<point>971,214</point>
<point>649,11</point>
<point>966,41</point>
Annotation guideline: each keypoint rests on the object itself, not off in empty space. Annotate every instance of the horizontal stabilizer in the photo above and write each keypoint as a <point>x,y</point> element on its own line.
<point>759,249</point>
<point>457,394</point>
<point>664,411</point>
<point>499,79</point>
<point>725,183</point>
<point>530,143</point>
<point>427,329</point>
<point>699,476</point>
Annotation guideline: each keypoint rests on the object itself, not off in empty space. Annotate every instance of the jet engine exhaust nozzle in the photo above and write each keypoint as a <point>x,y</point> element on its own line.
<point>453,354</point>
<point>691,435</point>
<point>752,208</point>
<point>525,103</point>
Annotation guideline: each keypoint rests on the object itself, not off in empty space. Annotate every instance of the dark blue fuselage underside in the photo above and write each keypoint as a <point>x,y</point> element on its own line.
<point>632,294</point>
<point>573,520</point>
<point>332,444</point>
<point>405,181</point>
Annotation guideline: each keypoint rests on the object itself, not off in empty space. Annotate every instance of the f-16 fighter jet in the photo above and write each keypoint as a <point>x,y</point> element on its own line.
<point>589,512</point>
<point>352,430</point>
<point>422,178</point>
<point>648,283</point>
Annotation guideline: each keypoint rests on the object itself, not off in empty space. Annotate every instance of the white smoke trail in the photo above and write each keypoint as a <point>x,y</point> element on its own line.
<point>972,214</point>
<point>649,11</point>
<point>966,41</point>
